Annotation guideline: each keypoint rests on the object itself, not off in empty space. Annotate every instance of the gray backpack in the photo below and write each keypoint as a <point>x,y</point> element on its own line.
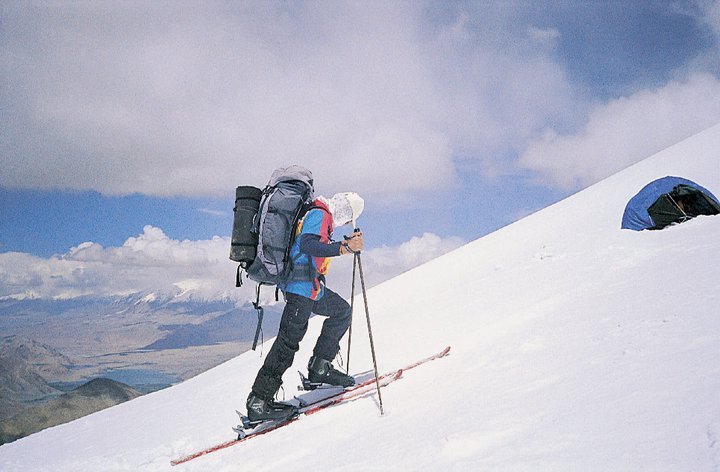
<point>264,228</point>
<point>283,202</point>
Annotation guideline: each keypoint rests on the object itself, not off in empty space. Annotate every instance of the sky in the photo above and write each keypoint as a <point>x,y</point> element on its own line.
<point>451,119</point>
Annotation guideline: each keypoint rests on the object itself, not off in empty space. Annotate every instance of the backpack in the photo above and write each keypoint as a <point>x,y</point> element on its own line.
<point>284,201</point>
<point>264,226</point>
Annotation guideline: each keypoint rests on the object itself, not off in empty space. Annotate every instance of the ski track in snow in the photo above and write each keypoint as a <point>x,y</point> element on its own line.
<point>575,346</point>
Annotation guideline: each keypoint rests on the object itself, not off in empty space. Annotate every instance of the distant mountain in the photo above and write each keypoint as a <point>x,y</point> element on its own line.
<point>20,381</point>
<point>91,326</point>
<point>234,325</point>
<point>55,344</point>
<point>93,396</point>
<point>101,334</point>
<point>48,362</point>
<point>9,408</point>
<point>109,390</point>
<point>25,366</point>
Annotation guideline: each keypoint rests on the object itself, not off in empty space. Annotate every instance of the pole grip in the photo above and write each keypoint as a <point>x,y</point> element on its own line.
<point>356,230</point>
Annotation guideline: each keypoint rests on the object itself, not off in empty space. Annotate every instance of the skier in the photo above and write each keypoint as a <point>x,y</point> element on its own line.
<point>306,293</point>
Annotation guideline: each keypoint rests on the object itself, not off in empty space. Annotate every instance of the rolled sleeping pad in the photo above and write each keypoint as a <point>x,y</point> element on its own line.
<point>243,244</point>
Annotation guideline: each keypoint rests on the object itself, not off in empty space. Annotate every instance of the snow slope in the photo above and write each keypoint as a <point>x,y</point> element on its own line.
<point>575,346</point>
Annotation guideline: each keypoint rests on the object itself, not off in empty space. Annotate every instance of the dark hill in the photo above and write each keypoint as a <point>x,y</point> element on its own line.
<point>93,396</point>
<point>108,388</point>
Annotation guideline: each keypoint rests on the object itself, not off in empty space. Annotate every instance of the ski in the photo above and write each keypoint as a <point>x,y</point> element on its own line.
<point>305,408</point>
<point>360,390</point>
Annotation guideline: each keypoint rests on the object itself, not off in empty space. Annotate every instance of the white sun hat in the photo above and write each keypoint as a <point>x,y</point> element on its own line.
<point>345,207</point>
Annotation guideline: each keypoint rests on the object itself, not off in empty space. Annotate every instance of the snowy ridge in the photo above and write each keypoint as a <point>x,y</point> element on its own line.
<point>576,346</point>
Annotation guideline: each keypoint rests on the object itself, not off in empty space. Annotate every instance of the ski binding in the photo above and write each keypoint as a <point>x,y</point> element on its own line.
<point>308,386</point>
<point>247,427</point>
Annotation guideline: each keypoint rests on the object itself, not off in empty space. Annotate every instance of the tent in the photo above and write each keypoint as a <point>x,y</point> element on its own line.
<point>668,200</point>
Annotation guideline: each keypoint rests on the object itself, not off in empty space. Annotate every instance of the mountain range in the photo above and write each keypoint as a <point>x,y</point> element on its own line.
<point>145,340</point>
<point>176,338</point>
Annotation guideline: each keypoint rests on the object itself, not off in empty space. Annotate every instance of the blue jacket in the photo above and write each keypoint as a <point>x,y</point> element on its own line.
<point>311,253</point>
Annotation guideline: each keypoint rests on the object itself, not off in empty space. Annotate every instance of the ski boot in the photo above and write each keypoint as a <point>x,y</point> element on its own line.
<point>322,371</point>
<point>260,409</point>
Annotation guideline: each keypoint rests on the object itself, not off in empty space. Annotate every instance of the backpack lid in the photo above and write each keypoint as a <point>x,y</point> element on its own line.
<point>294,172</point>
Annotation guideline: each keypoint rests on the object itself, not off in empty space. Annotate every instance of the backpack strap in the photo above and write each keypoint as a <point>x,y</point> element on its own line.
<point>302,211</point>
<point>260,312</point>
<point>238,277</point>
<point>308,273</point>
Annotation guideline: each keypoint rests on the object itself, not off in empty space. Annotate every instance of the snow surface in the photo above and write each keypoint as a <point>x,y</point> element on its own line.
<point>575,346</point>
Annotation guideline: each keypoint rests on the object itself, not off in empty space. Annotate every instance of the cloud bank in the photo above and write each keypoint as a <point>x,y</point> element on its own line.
<point>619,132</point>
<point>624,131</point>
<point>193,98</point>
<point>153,263</point>
<point>386,98</point>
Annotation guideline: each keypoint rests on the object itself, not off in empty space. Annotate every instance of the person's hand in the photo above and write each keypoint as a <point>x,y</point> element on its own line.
<point>353,244</point>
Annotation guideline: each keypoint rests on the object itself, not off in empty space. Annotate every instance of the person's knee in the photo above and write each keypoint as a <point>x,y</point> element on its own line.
<point>342,309</point>
<point>347,312</point>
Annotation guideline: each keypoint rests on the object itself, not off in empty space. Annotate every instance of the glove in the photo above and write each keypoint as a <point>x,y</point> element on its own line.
<point>353,244</point>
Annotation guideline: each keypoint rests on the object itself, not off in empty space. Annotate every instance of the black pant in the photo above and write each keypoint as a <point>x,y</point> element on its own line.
<point>293,325</point>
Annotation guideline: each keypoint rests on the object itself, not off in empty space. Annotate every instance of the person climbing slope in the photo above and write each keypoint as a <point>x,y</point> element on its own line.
<point>306,293</point>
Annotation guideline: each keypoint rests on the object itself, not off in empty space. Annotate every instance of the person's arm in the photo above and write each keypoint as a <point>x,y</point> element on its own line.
<point>311,245</point>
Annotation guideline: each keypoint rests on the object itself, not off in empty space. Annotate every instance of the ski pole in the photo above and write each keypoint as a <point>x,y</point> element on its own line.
<point>352,310</point>
<point>372,344</point>
<point>352,302</point>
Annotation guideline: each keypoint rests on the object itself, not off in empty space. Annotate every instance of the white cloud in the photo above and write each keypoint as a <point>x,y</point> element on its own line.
<point>152,262</point>
<point>384,263</point>
<point>172,99</point>
<point>216,213</point>
<point>148,262</point>
<point>544,35</point>
<point>626,130</point>
<point>710,15</point>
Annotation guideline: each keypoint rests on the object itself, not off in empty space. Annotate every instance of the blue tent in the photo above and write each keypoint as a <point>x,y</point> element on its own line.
<point>668,200</point>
